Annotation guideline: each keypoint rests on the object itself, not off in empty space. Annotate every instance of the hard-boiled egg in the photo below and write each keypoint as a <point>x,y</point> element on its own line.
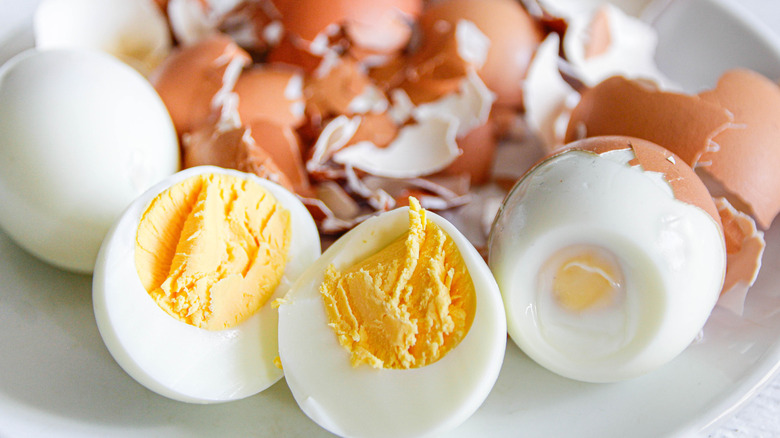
<point>184,281</point>
<point>81,136</point>
<point>397,330</point>
<point>610,257</point>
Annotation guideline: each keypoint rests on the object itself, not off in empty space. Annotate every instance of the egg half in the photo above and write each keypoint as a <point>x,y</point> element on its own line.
<point>610,257</point>
<point>397,330</point>
<point>184,280</point>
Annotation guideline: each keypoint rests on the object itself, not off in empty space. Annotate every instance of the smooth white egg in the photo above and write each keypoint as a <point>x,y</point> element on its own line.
<point>81,136</point>
<point>661,260</point>
<point>173,358</point>
<point>370,402</point>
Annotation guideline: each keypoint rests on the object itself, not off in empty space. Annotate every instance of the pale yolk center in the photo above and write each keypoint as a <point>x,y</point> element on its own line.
<point>405,306</point>
<point>587,278</point>
<point>212,249</point>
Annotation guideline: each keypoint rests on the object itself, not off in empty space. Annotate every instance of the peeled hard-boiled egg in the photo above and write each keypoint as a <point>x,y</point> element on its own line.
<point>81,136</point>
<point>184,281</point>
<point>397,330</point>
<point>610,257</point>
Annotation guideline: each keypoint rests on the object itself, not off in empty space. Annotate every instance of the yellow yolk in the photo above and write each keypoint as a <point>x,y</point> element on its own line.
<point>212,249</point>
<point>586,279</point>
<point>405,306</point>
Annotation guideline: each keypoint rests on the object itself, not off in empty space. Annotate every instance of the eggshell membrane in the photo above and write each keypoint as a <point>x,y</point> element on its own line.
<point>363,401</point>
<point>191,76</point>
<point>686,185</point>
<point>684,124</point>
<point>309,19</point>
<point>175,359</point>
<point>270,93</point>
<point>513,35</point>
<point>747,159</point>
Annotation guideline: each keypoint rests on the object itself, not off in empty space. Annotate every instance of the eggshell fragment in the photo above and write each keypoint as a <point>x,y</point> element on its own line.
<point>512,33</point>
<point>232,149</point>
<point>608,42</point>
<point>684,124</point>
<point>134,31</point>
<point>744,248</point>
<point>310,20</point>
<point>478,149</point>
<point>747,159</point>
<point>189,80</point>
<point>270,93</point>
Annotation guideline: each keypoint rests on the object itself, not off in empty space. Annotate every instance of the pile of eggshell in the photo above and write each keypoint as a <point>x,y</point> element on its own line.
<point>355,105</point>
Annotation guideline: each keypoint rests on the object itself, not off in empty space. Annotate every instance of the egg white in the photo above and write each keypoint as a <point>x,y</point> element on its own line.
<point>368,402</point>
<point>173,358</point>
<point>671,255</point>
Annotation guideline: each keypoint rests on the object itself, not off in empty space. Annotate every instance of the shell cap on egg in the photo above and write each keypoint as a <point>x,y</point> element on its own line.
<point>686,185</point>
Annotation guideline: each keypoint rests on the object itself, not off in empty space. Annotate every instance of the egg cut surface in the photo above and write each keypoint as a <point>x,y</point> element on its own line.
<point>397,330</point>
<point>604,273</point>
<point>184,281</point>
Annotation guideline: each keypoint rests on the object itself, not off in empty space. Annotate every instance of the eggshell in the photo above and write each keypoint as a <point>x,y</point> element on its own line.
<point>686,185</point>
<point>81,135</point>
<point>192,76</point>
<point>283,146</point>
<point>311,19</point>
<point>513,36</point>
<point>232,148</point>
<point>134,31</point>
<point>270,93</point>
<point>478,148</point>
<point>744,249</point>
<point>747,159</point>
<point>684,124</point>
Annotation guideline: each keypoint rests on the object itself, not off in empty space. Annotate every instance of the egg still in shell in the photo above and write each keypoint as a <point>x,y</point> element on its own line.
<point>610,257</point>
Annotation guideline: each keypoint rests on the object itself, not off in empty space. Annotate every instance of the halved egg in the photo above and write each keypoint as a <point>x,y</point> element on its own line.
<point>397,330</point>
<point>610,257</point>
<point>184,280</point>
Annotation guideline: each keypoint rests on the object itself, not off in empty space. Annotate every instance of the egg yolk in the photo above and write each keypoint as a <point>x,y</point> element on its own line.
<point>405,306</point>
<point>212,249</point>
<point>584,278</point>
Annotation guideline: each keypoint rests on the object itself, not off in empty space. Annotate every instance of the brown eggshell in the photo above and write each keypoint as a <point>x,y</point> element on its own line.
<point>331,93</point>
<point>309,19</point>
<point>513,35</point>
<point>282,145</point>
<point>744,248</point>
<point>232,149</point>
<point>272,93</point>
<point>684,124</point>
<point>289,53</point>
<point>189,78</point>
<point>378,128</point>
<point>686,185</point>
<point>747,161</point>
<point>599,38</point>
<point>478,146</point>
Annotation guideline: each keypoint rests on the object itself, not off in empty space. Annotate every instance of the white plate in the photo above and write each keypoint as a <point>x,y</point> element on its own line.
<point>57,378</point>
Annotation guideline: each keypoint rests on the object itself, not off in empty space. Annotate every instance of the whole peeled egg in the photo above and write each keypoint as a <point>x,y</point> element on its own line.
<point>185,279</point>
<point>81,134</point>
<point>610,257</point>
<point>397,330</point>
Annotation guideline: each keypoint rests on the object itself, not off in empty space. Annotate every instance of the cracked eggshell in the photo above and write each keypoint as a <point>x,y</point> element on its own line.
<point>81,135</point>
<point>382,26</point>
<point>744,249</point>
<point>747,157</point>
<point>513,35</point>
<point>135,31</point>
<point>684,124</point>
<point>608,42</point>
<point>190,79</point>
<point>271,93</point>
